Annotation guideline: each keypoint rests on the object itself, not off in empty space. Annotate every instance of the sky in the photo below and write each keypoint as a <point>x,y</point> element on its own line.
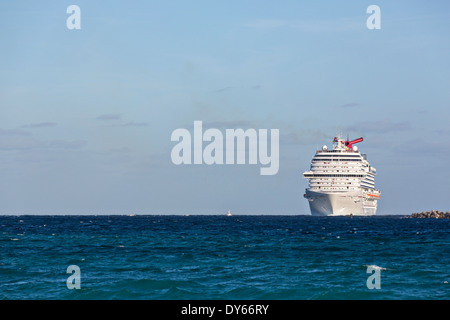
<point>86,115</point>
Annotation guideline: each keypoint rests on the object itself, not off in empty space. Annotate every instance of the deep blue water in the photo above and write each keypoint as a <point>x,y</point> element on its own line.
<point>219,257</point>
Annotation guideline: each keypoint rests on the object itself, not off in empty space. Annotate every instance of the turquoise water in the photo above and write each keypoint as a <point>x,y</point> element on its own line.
<point>219,257</point>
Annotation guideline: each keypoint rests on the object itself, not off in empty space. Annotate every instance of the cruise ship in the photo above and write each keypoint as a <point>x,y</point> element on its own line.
<point>341,181</point>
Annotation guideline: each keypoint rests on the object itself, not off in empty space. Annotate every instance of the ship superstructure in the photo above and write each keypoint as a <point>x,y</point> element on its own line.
<point>341,181</point>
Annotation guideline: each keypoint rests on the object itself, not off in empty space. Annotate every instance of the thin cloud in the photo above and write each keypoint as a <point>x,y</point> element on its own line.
<point>414,147</point>
<point>67,144</point>
<point>109,116</point>
<point>13,132</point>
<point>26,142</point>
<point>380,126</point>
<point>120,150</point>
<point>40,125</point>
<point>230,88</point>
<point>229,124</point>
<point>20,142</point>
<point>350,105</point>
<point>266,24</point>
<point>336,25</point>
<point>222,89</point>
<point>135,124</point>
<point>303,137</point>
<point>118,116</point>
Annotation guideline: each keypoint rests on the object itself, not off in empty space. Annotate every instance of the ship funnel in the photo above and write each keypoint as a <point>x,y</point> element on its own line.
<point>350,144</point>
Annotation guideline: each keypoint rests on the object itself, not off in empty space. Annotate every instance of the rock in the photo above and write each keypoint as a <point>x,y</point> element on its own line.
<point>436,214</point>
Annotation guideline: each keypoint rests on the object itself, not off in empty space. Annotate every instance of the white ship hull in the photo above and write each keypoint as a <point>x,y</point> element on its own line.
<point>341,203</point>
<point>341,181</point>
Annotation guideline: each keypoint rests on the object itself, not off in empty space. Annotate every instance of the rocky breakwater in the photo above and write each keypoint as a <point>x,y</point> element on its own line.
<point>436,214</point>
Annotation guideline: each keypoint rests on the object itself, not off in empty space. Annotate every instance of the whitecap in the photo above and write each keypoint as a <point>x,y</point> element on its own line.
<point>375,267</point>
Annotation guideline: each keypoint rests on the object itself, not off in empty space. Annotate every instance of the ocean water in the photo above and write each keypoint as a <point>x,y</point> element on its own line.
<point>220,257</point>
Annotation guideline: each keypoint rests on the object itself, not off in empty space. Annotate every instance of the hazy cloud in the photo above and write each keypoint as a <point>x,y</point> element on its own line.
<point>109,116</point>
<point>222,89</point>
<point>40,125</point>
<point>444,132</point>
<point>135,124</point>
<point>267,24</point>
<point>19,142</point>
<point>244,124</point>
<point>350,105</point>
<point>229,88</point>
<point>336,25</point>
<point>26,142</point>
<point>438,148</point>
<point>66,144</point>
<point>381,126</point>
<point>13,132</point>
<point>304,137</point>
<point>120,150</point>
<point>118,116</point>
